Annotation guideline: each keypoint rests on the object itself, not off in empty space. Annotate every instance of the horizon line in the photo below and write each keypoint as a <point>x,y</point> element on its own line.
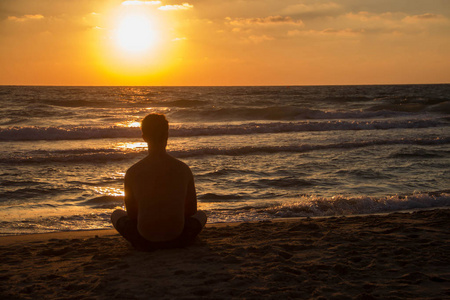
<point>258,85</point>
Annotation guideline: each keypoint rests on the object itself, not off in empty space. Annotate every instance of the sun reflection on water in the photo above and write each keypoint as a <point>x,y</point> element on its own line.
<point>134,124</point>
<point>109,191</point>
<point>118,175</point>
<point>131,146</point>
<point>131,124</point>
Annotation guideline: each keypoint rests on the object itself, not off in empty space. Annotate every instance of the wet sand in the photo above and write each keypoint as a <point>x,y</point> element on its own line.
<point>396,256</point>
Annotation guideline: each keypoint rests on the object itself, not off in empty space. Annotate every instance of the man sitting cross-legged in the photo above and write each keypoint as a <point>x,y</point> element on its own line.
<point>160,198</point>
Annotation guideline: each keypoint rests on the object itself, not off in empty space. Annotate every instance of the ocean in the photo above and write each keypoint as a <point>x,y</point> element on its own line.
<point>257,153</point>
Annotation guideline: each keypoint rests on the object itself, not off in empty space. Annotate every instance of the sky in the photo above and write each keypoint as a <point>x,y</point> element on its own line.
<point>232,42</point>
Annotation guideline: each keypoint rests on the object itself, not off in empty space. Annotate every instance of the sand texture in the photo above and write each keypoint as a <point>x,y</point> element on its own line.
<point>396,256</point>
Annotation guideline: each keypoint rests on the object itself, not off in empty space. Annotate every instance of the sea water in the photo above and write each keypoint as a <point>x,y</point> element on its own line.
<point>257,153</point>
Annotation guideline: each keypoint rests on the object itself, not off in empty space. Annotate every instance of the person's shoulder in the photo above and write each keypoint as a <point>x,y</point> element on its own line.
<point>134,168</point>
<point>179,164</point>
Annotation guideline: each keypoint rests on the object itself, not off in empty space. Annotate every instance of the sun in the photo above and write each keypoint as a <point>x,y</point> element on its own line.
<point>135,33</point>
<point>135,44</point>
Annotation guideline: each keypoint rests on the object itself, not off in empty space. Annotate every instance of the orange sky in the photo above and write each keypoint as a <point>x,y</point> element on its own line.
<point>233,42</point>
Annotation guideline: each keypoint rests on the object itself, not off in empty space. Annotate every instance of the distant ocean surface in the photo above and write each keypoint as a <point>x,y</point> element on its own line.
<point>257,153</point>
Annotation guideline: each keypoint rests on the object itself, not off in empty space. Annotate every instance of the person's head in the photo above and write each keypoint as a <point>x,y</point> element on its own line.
<point>155,129</point>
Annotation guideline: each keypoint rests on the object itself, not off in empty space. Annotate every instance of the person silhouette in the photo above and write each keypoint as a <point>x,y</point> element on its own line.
<point>160,197</point>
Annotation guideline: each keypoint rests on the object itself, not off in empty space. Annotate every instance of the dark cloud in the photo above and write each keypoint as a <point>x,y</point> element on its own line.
<point>270,20</point>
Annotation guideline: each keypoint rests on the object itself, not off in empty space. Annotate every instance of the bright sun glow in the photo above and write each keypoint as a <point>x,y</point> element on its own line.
<point>136,33</point>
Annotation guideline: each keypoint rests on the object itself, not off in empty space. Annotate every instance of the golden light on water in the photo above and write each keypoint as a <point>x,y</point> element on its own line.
<point>132,146</point>
<point>135,124</point>
<point>131,124</point>
<point>118,175</point>
<point>110,191</point>
<point>142,146</point>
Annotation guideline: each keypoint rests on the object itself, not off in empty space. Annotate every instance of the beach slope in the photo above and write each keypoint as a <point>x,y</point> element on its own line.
<point>395,256</point>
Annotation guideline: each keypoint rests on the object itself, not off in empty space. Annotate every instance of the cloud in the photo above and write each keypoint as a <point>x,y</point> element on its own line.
<point>347,32</point>
<point>392,22</point>
<point>137,2</point>
<point>364,16</point>
<point>25,18</point>
<point>184,6</point>
<point>369,23</point>
<point>258,30</point>
<point>313,10</point>
<point>428,17</point>
<point>260,38</point>
<point>271,20</point>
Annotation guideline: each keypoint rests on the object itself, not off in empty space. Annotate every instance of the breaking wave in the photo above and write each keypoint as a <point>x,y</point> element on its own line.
<point>340,205</point>
<point>106,155</point>
<point>303,207</point>
<point>334,206</point>
<point>85,133</point>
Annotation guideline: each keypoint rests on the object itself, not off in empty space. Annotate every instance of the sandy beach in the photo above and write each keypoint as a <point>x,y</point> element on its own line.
<point>395,256</point>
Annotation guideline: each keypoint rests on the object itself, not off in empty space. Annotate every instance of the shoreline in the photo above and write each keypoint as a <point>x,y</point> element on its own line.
<point>399,255</point>
<point>25,237</point>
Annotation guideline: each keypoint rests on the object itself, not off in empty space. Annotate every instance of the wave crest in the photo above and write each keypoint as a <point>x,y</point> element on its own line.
<point>340,205</point>
<point>85,133</point>
<point>107,155</point>
<point>334,206</point>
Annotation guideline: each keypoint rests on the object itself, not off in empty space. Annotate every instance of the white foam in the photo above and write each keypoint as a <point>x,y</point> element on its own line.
<point>83,133</point>
<point>341,205</point>
<point>103,155</point>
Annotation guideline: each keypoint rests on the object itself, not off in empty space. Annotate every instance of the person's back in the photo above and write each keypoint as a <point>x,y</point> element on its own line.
<point>160,196</point>
<point>162,188</point>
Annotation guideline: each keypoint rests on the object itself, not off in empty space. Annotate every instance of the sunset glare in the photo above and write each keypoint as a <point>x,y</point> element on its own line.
<point>135,33</point>
<point>292,42</point>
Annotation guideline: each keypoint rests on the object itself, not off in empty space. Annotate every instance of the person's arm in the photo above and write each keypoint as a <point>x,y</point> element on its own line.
<point>130,202</point>
<point>190,206</point>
